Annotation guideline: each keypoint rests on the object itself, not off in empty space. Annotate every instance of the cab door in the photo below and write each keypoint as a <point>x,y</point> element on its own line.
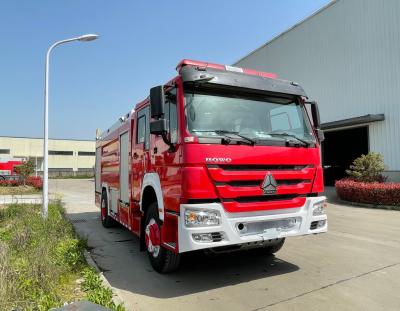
<point>167,159</point>
<point>140,155</point>
<point>124,178</point>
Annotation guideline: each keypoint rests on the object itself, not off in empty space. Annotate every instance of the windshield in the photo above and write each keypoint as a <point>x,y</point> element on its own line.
<point>259,118</point>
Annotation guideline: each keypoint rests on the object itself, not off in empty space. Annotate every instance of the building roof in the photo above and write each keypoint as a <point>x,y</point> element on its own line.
<point>68,139</point>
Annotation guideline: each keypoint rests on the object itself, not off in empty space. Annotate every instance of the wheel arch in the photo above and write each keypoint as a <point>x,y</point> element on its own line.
<point>151,192</point>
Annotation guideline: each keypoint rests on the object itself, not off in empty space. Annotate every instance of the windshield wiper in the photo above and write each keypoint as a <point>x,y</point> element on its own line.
<point>228,137</point>
<point>285,134</point>
<point>224,132</point>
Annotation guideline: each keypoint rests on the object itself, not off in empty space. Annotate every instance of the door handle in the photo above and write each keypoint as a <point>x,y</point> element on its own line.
<point>135,155</point>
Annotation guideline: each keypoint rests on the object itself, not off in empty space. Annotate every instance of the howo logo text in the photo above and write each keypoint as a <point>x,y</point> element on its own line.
<point>269,185</point>
<point>219,160</point>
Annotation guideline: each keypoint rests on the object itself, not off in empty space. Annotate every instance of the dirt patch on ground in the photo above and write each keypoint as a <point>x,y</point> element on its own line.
<point>15,190</point>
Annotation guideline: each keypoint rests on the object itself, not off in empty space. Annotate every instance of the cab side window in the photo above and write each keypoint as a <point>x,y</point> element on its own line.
<point>143,130</point>
<point>171,115</point>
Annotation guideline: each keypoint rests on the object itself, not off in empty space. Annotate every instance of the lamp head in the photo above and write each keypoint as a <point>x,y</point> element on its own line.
<point>88,37</point>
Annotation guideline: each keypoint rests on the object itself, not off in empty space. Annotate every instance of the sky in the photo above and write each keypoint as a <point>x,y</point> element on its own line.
<point>92,84</point>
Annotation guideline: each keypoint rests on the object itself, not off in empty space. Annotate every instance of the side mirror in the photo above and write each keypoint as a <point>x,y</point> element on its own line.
<point>157,101</point>
<point>316,120</point>
<point>315,114</point>
<point>158,127</point>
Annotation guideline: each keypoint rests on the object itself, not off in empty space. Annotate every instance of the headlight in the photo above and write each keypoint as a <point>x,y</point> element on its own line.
<point>319,208</point>
<point>201,218</point>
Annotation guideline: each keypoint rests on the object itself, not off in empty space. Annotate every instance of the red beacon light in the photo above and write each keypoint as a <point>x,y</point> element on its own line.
<point>195,63</point>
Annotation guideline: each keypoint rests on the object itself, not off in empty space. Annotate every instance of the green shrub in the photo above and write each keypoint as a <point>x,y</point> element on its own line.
<point>40,261</point>
<point>96,292</point>
<point>69,252</point>
<point>368,192</point>
<point>26,169</point>
<point>368,168</point>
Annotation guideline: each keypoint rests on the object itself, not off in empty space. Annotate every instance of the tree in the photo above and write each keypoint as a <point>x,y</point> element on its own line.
<point>26,169</point>
<point>368,168</point>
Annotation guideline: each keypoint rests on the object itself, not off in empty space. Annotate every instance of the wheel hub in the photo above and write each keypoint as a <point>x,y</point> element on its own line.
<point>153,237</point>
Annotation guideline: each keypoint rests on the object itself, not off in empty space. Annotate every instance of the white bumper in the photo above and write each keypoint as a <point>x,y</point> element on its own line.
<point>229,225</point>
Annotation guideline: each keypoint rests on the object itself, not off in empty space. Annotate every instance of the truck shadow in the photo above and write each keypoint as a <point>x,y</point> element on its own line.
<point>116,251</point>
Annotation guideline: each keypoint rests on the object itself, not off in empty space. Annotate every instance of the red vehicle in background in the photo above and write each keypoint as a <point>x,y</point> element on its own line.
<point>219,158</point>
<point>8,168</point>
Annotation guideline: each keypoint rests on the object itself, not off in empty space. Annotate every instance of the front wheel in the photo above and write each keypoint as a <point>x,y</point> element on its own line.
<point>161,259</point>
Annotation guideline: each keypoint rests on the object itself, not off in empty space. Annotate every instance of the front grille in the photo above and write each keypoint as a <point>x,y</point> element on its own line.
<point>239,186</point>
<point>257,183</point>
<point>265,198</point>
<point>250,167</point>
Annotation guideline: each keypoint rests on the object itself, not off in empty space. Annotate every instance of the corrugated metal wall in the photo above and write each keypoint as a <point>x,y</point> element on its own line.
<point>347,57</point>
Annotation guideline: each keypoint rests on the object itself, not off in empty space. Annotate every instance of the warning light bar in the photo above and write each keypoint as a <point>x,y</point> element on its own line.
<point>195,63</point>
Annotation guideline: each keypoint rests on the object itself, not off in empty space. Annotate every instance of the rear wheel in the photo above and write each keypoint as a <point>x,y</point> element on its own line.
<point>106,220</point>
<point>161,259</point>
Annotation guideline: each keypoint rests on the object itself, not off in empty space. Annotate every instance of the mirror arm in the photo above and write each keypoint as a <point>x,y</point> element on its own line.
<point>168,142</point>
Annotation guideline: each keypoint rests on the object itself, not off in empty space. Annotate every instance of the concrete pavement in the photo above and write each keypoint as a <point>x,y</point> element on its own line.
<point>355,266</point>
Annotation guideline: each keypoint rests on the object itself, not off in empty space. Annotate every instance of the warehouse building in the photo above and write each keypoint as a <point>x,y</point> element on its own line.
<point>66,156</point>
<point>346,57</point>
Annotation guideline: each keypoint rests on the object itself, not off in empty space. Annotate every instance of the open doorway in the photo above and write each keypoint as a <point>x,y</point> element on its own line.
<point>339,150</point>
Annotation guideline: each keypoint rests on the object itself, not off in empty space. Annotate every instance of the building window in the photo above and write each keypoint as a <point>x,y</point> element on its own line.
<point>86,153</point>
<point>4,151</point>
<point>59,152</point>
<point>62,169</point>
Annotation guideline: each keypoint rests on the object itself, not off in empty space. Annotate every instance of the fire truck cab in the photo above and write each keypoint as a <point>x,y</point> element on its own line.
<point>8,168</point>
<point>219,158</point>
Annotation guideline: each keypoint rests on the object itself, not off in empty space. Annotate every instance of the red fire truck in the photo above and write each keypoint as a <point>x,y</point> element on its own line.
<point>219,158</point>
<point>7,168</point>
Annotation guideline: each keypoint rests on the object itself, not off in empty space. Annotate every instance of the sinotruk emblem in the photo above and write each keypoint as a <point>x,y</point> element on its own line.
<point>269,185</point>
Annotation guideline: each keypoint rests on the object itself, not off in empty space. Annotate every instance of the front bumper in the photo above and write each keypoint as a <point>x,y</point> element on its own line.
<point>229,222</point>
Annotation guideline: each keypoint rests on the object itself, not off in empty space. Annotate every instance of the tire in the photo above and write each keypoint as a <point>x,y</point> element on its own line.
<point>162,260</point>
<point>271,249</point>
<point>106,220</point>
<point>2,178</point>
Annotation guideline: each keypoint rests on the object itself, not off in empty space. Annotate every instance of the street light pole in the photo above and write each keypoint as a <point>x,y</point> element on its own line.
<point>45,205</point>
